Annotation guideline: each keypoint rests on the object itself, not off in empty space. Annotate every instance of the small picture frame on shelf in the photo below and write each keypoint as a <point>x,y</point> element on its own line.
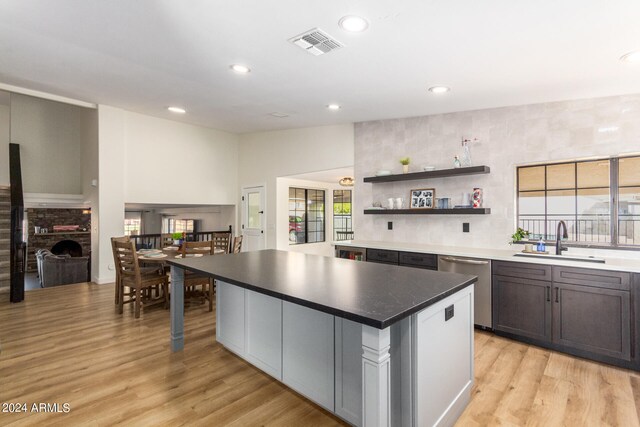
<point>422,198</point>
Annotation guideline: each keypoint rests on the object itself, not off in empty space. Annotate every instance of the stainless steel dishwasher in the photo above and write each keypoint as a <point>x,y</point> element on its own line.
<point>482,292</point>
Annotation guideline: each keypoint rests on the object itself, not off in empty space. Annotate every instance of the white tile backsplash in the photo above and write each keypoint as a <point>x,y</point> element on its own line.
<point>508,136</point>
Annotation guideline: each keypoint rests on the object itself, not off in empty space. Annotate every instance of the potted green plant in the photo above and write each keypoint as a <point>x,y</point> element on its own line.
<point>177,238</point>
<point>404,161</point>
<point>519,235</point>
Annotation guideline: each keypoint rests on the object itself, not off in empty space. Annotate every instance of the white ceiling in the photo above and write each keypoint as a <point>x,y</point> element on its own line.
<point>145,55</point>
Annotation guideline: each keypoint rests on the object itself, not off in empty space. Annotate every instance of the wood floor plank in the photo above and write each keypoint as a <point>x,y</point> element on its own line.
<point>516,402</point>
<point>69,344</point>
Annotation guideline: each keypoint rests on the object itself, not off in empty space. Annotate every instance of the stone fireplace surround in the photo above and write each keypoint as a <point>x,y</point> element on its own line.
<point>47,218</point>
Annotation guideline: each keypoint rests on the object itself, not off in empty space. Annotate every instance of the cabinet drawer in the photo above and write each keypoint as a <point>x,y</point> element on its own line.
<point>592,277</point>
<point>523,270</point>
<point>413,259</point>
<point>381,255</point>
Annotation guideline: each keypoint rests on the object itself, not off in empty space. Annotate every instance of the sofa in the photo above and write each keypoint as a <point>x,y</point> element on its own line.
<point>56,270</point>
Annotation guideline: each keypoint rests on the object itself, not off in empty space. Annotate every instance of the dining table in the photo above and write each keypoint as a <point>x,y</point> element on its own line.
<point>160,256</point>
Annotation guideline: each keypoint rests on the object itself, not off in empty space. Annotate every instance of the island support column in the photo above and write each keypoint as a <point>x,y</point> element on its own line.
<point>376,384</point>
<point>177,308</point>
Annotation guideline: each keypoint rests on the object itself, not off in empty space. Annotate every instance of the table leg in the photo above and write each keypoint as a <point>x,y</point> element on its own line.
<point>376,385</point>
<point>177,308</point>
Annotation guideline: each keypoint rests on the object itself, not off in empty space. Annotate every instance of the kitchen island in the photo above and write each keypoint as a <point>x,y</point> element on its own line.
<point>377,345</point>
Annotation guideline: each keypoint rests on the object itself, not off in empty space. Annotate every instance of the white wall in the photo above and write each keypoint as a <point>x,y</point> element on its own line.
<point>107,216</point>
<point>5,138</point>
<point>508,137</point>
<point>174,163</point>
<point>51,137</point>
<point>282,216</point>
<point>265,156</point>
<point>144,159</point>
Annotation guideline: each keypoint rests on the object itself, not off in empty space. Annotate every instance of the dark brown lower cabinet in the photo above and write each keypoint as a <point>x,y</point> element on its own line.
<point>522,307</point>
<point>592,319</point>
<point>592,316</point>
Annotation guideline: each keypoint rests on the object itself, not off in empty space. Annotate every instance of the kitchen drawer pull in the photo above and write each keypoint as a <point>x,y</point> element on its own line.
<point>557,292</point>
<point>464,261</point>
<point>549,293</point>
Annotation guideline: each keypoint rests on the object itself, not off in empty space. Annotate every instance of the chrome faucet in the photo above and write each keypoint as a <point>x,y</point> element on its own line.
<point>565,235</point>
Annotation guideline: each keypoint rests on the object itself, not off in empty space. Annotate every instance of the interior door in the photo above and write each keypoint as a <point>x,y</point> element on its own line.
<point>253,218</point>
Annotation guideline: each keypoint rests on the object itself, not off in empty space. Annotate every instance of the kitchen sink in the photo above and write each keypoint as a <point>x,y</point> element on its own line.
<point>563,257</point>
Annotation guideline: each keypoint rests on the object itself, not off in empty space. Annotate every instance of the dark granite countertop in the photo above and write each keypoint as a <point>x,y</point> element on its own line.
<point>377,295</point>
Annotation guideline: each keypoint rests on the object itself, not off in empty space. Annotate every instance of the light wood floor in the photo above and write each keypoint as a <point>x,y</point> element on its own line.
<point>68,345</point>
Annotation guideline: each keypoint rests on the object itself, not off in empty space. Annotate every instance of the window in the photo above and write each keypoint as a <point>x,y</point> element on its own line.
<point>132,223</point>
<point>131,227</point>
<point>342,228</point>
<point>582,195</point>
<point>628,232</point>
<point>306,216</point>
<point>170,225</point>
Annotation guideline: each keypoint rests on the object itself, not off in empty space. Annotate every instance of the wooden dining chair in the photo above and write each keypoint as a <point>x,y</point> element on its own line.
<point>222,241</point>
<point>237,244</point>
<point>166,239</point>
<point>118,278</point>
<point>194,280</point>
<point>132,276</point>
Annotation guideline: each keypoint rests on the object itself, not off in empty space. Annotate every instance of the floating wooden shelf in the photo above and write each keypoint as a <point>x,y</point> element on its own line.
<point>439,173</point>
<point>461,211</point>
<point>61,232</point>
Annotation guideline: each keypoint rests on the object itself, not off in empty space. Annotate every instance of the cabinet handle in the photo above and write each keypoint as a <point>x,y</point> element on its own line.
<point>464,261</point>
<point>549,293</point>
<point>557,292</point>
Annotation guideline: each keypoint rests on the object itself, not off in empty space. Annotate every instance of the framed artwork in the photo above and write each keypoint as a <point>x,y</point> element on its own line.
<point>423,198</point>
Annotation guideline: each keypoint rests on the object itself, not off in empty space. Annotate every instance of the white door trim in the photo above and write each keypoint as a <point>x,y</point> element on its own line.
<point>243,218</point>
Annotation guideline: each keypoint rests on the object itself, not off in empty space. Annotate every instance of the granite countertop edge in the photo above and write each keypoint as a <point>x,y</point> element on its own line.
<point>376,323</point>
<point>611,264</point>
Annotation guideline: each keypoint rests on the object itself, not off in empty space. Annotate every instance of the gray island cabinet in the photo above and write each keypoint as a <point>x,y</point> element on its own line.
<point>375,344</point>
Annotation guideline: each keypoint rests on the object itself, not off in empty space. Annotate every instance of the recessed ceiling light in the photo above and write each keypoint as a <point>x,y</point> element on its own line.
<point>240,69</point>
<point>177,110</point>
<point>353,24</point>
<point>631,56</point>
<point>439,89</point>
<point>333,107</point>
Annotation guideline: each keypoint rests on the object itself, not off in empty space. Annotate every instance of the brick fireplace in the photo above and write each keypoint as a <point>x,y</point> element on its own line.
<point>48,218</point>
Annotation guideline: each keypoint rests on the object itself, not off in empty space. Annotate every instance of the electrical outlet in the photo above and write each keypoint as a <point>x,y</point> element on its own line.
<point>465,227</point>
<point>390,225</point>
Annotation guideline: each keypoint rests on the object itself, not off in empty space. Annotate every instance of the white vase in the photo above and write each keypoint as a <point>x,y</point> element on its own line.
<point>466,155</point>
<point>405,168</point>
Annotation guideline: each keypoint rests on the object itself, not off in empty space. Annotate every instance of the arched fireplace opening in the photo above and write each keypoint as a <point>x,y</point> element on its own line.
<point>67,247</point>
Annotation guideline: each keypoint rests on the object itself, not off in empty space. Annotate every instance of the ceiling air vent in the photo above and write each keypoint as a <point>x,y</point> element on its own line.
<point>316,42</point>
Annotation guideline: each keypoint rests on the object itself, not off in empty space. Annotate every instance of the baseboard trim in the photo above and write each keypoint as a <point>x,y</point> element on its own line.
<point>102,281</point>
<point>456,408</point>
